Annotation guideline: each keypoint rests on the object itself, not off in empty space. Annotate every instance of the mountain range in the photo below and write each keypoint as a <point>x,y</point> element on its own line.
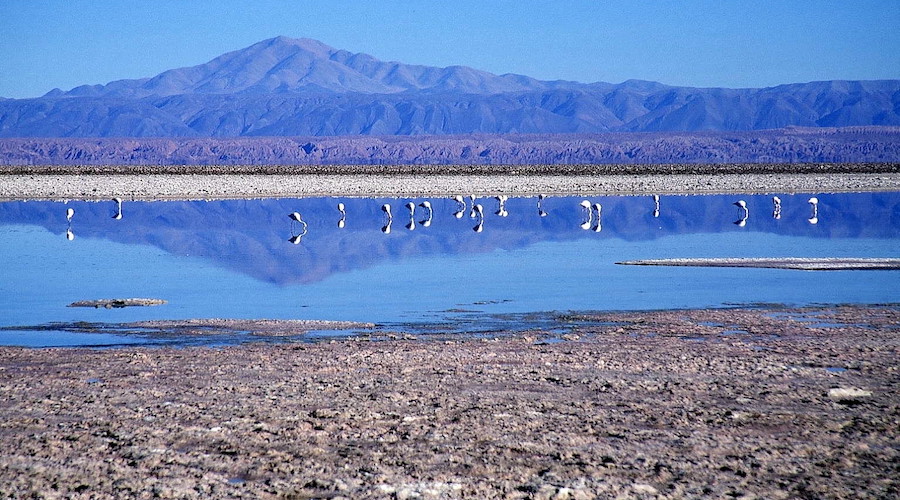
<point>302,87</point>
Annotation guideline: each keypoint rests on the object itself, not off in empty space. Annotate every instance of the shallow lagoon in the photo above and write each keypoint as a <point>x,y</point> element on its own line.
<point>242,259</point>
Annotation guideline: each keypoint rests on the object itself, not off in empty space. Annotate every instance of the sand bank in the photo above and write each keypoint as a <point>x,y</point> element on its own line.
<point>799,263</point>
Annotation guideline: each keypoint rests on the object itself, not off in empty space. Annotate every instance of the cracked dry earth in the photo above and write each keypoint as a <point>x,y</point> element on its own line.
<point>742,403</point>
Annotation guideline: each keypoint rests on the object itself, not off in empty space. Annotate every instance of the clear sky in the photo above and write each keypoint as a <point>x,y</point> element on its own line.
<point>706,43</point>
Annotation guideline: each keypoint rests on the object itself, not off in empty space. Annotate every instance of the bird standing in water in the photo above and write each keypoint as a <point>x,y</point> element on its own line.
<point>589,215</point>
<point>479,212</point>
<point>427,220</point>
<point>501,206</point>
<point>461,206</point>
<point>118,215</point>
<point>412,216</point>
<point>598,208</point>
<point>745,214</point>
<point>386,229</point>
<point>296,217</point>
<point>815,210</point>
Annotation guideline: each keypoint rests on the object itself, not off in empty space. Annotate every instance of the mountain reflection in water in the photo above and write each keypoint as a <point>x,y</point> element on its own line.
<point>257,238</point>
<point>440,265</point>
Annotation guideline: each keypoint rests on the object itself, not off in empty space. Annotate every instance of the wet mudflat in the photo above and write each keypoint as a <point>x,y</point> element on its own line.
<point>670,404</point>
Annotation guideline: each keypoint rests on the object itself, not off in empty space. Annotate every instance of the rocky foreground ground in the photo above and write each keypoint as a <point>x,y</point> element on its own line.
<point>739,403</point>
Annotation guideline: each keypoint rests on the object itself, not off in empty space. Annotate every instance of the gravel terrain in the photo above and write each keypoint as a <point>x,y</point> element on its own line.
<point>736,403</point>
<point>211,182</point>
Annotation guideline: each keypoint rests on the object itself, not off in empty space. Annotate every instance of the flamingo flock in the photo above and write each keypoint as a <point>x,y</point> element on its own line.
<point>591,211</point>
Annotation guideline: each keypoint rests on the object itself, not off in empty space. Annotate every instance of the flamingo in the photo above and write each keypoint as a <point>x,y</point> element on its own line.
<point>296,217</point>
<point>501,206</point>
<point>479,212</point>
<point>412,214</point>
<point>815,208</point>
<point>473,213</point>
<point>745,214</point>
<point>386,229</point>
<point>427,220</point>
<point>655,205</point>
<point>540,208</point>
<point>69,214</point>
<point>586,205</point>
<point>118,215</point>
<point>342,222</point>
<point>598,208</point>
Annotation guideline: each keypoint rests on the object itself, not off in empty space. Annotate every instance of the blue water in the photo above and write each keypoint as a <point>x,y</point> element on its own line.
<point>233,259</point>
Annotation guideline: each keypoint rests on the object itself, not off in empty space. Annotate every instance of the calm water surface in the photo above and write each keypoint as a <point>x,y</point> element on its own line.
<point>247,259</point>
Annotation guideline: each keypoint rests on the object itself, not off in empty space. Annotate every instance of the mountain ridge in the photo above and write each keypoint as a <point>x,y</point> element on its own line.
<point>300,87</point>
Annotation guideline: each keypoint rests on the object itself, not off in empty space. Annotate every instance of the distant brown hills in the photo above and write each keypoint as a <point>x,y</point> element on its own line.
<point>792,145</point>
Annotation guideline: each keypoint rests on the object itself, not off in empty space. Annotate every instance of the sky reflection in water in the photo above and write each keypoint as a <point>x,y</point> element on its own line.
<point>235,259</point>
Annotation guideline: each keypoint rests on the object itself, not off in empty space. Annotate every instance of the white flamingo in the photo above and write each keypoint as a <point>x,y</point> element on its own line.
<point>815,210</point>
<point>426,222</point>
<point>540,207</point>
<point>118,215</point>
<point>461,206</point>
<point>386,229</point>
<point>501,206</point>
<point>745,214</point>
<point>589,215</point>
<point>343,212</point>
<point>479,212</point>
<point>296,217</point>
<point>598,208</point>
<point>412,216</point>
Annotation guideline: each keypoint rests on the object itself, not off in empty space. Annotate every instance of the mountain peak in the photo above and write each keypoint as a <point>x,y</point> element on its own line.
<point>283,65</point>
<point>283,42</point>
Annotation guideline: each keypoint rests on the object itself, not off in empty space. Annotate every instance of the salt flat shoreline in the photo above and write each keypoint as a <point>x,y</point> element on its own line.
<point>226,182</point>
<point>731,403</point>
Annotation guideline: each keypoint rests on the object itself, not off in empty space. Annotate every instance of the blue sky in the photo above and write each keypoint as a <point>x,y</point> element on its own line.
<point>706,43</point>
